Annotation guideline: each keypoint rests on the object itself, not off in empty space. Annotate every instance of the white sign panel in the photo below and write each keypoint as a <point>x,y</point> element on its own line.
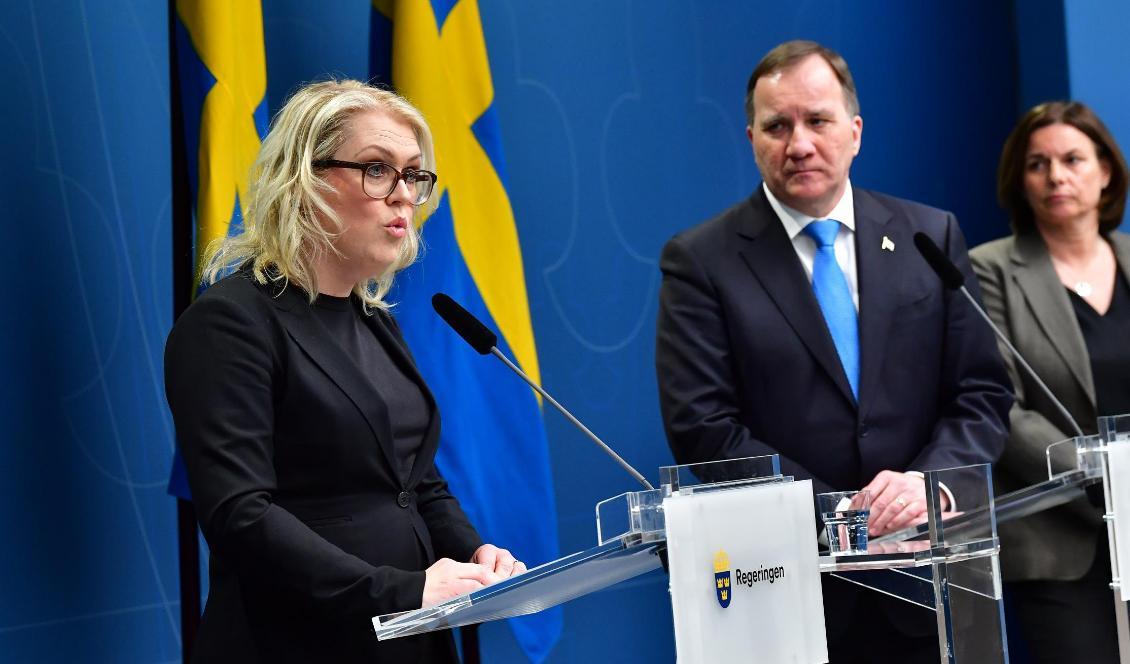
<point>1118,456</point>
<point>745,579</point>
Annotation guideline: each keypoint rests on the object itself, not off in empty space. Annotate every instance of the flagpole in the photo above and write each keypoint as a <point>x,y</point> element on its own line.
<point>182,267</point>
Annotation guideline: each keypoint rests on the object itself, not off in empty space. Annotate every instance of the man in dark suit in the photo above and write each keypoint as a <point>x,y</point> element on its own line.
<point>802,322</point>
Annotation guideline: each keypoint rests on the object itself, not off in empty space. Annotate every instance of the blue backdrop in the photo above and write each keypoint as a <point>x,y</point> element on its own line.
<point>622,124</point>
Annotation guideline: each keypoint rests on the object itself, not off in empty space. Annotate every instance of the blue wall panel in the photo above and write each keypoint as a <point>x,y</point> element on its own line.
<point>1041,43</point>
<point>88,570</point>
<point>1099,65</point>
<point>306,42</point>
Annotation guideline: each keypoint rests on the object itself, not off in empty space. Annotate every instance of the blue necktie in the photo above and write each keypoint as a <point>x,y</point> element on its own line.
<point>834,296</point>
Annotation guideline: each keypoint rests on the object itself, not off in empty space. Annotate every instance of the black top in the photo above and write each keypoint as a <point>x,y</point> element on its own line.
<point>408,411</point>
<point>1108,347</point>
<point>290,455</point>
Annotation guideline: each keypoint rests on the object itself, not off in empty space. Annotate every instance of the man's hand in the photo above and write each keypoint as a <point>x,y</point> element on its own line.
<point>897,547</point>
<point>898,500</point>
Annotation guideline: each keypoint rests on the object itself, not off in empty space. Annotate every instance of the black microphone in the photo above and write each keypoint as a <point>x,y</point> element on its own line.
<point>484,341</point>
<point>953,279</point>
<point>465,325</point>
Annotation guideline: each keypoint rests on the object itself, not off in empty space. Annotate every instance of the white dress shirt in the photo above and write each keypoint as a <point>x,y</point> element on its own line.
<point>795,223</point>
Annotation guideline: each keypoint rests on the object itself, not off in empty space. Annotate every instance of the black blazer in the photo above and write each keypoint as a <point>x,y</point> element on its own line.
<point>1025,298</point>
<point>747,366</point>
<point>290,461</point>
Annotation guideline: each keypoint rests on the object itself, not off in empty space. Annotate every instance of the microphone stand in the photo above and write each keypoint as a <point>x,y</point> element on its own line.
<point>577,423</point>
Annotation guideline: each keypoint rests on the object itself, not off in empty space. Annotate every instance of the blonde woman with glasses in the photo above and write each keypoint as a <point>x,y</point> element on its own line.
<point>308,434</point>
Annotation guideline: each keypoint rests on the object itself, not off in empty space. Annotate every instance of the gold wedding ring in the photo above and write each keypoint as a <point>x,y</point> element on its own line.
<point>901,501</point>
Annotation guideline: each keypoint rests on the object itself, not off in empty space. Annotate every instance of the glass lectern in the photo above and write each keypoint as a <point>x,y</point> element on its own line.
<point>1074,464</point>
<point>953,572</point>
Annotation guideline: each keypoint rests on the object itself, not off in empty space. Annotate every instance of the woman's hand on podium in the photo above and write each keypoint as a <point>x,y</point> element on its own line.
<point>500,562</point>
<point>446,579</point>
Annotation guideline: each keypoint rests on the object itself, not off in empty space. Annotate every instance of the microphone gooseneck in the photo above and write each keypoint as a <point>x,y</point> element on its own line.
<point>483,340</point>
<point>953,279</point>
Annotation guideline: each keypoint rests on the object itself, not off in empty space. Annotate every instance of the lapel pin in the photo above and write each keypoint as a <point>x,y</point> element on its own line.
<point>888,245</point>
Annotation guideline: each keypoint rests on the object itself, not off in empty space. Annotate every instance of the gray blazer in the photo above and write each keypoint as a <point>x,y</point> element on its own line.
<point>1025,298</point>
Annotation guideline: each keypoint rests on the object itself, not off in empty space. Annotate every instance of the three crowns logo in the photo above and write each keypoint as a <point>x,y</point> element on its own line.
<point>722,588</point>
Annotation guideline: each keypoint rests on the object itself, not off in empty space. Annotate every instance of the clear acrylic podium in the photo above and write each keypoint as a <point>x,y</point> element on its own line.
<point>952,572</point>
<point>1101,460</point>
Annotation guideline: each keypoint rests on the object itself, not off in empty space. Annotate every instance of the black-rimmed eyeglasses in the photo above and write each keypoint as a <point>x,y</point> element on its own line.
<point>378,179</point>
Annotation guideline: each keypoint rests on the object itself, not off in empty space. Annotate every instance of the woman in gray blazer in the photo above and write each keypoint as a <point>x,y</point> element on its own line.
<point>1059,287</point>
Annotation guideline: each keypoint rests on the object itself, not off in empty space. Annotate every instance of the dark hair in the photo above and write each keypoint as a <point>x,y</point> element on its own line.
<point>1010,173</point>
<point>788,54</point>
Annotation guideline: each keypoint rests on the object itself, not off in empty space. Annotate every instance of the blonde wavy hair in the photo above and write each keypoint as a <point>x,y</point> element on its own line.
<point>283,230</point>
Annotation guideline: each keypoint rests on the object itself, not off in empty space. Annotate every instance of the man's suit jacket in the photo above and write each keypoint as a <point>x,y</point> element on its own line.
<point>290,460</point>
<point>1025,298</point>
<point>747,367</point>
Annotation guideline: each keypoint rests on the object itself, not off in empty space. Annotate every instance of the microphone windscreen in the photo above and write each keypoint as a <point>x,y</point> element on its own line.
<point>951,277</point>
<point>465,325</point>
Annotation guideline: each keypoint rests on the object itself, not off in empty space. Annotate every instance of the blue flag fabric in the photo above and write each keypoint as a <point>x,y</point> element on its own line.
<point>493,448</point>
<point>221,63</point>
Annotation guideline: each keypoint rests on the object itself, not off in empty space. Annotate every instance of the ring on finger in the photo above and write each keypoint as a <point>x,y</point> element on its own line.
<point>901,501</point>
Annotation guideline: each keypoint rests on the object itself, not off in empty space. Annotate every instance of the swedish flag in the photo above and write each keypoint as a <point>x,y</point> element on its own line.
<point>493,452</point>
<point>222,69</point>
